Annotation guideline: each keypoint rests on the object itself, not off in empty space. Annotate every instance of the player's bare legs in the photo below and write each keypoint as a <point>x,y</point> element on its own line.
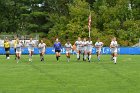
<point>68,56</point>
<point>98,55</point>
<point>85,55</point>
<point>78,55</point>
<point>18,56</point>
<point>57,56</point>
<point>89,56</point>
<point>30,55</point>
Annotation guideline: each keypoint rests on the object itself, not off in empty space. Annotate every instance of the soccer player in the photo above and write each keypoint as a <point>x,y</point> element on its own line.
<point>98,46</point>
<point>31,46</point>
<point>78,44</point>
<point>18,50</point>
<point>68,48</point>
<point>7,48</point>
<point>84,49</point>
<point>113,47</point>
<point>15,43</point>
<point>89,49</point>
<point>42,48</point>
<point>57,47</point>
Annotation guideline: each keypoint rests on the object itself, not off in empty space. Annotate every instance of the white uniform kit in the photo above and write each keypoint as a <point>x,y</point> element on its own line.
<point>18,48</point>
<point>42,47</point>
<point>98,46</point>
<point>115,44</point>
<point>84,46</point>
<point>89,46</point>
<point>78,45</point>
<point>30,46</point>
<point>68,48</point>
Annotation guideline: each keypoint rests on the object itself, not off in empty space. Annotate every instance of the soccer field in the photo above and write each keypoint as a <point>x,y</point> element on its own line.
<point>73,77</point>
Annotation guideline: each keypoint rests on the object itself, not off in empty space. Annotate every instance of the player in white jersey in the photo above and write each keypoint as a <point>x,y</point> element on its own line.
<point>31,49</point>
<point>84,49</point>
<point>89,49</point>
<point>114,49</point>
<point>98,46</point>
<point>42,49</point>
<point>68,48</point>
<point>78,44</point>
<point>18,50</point>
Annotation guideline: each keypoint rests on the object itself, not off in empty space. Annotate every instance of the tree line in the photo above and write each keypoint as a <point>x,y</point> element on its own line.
<point>68,19</point>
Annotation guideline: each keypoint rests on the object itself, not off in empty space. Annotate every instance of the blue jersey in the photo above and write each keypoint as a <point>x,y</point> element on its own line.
<point>57,46</point>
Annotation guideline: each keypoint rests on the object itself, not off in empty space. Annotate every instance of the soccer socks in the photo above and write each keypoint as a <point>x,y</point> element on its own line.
<point>85,57</point>
<point>68,59</point>
<point>115,59</point>
<point>30,57</point>
<point>89,57</point>
<point>98,57</point>
<point>57,58</point>
<point>78,56</point>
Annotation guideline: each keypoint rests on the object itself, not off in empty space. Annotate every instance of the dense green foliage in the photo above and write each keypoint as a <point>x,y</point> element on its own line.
<point>73,77</point>
<point>68,19</point>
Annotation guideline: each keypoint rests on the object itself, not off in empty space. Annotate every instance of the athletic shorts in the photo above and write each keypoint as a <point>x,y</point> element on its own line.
<point>7,49</point>
<point>41,50</point>
<point>58,51</point>
<point>68,51</point>
<point>89,50</point>
<point>98,50</point>
<point>30,49</point>
<point>15,49</point>
<point>114,50</point>
<point>18,52</point>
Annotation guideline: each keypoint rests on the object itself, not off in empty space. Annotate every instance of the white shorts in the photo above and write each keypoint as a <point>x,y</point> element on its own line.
<point>98,50</point>
<point>114,50</point>
<point>30,49</point>
<point>18,52</point>
<point>79,49</point>
<point>89,50</point>
<point>68,51</point>
<point>42,50</point>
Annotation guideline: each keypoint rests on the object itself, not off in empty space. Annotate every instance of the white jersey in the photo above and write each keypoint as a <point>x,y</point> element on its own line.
<point>98,46</point>
<point>89,46</point>
<point>42,47</point>
<point>68,47</point>
<point>84,45</point>
<point>78,45</point>
<point>31,46</point>
<point>18,48</point>
<point>115,45</point>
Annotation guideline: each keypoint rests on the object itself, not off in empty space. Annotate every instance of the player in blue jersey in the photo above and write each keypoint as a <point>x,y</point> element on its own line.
<point>57,47</point>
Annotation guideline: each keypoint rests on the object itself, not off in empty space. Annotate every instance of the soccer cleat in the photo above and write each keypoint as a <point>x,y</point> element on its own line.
<point>8,57</point>
<point>89,61</point>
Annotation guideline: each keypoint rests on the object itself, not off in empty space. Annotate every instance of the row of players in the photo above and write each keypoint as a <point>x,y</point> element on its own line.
<point>82,47</point>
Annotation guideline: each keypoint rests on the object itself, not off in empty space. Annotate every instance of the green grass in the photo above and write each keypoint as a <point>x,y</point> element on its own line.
<point>73,77</point>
